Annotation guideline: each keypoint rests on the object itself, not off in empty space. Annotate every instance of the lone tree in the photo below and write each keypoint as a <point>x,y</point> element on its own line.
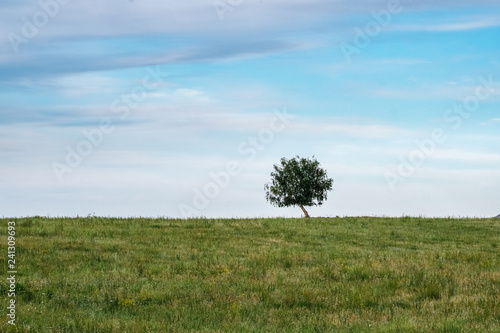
<point>298,182</point>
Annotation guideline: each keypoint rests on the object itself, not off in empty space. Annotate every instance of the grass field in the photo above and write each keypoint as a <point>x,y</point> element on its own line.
<point>254,275</point>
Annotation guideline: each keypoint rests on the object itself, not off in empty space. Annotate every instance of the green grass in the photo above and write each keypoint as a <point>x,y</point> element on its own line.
<point>255,275</point>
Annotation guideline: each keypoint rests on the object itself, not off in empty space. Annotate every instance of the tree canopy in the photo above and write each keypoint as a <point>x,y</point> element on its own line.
<point>298,182</point>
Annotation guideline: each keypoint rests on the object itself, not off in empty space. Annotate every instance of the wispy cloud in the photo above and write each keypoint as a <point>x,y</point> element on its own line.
<point>42,63</point>
<point>451,27</point>
<point>437,91</point>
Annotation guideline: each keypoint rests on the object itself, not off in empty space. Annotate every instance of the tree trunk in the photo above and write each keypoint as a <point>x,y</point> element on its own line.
<point>304,210</point>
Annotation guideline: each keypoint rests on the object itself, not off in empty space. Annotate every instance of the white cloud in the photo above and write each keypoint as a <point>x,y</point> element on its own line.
<point>474,157</point>
<point>188,92</point>
<point>353,128</point>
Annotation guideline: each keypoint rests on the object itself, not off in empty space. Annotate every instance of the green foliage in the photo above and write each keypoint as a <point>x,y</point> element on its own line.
<point>298,182</point>
<point>340,275</point>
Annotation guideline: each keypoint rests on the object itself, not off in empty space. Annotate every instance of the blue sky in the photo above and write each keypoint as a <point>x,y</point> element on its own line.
<point>151,108</point>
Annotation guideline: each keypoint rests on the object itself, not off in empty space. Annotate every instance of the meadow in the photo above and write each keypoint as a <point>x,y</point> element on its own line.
<point>357,274</point>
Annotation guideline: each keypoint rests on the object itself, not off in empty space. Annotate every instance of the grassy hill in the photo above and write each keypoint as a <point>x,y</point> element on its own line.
<point>255,275</point>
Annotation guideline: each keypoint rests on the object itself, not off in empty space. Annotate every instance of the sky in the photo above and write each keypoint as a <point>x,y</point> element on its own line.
<point>181,108</point>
